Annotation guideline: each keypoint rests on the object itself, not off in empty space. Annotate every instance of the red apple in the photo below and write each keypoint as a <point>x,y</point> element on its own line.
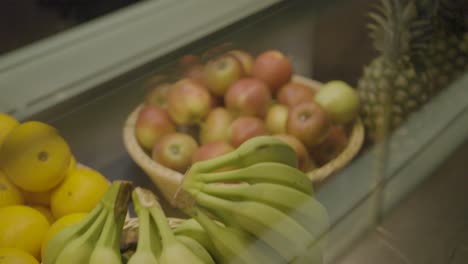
<point>152,123</point>
<point>244,128</point>
<point>221,72</point>
<point>211,150</point>
<point>195,72</point>
<point>245,59</point>
<point>248,96</point>
<point>277,118</point>
<point>292,94</point>
<point>335,142</point>
<point>340,100</point>
<point>274,68</point>
<point>216,126</point>
<point>189,102</point>
<point>305,162</point>
<point>175,151</point>
<point>158,95</point>
<point>309,123</point>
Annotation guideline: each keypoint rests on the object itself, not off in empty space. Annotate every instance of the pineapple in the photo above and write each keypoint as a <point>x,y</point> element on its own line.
<point>447,54</point>
<point>393,85</point>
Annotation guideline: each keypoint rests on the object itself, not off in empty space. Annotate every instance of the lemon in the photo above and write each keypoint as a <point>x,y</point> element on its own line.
<point>37,198</point>
<point>58,226</point>
<point>22,227</point>
<point>46,212</point>
<point>9,193</point>
<point>16,256</point>
<point>7,123</point>
<point>34,156</point>
<point>80,192</point>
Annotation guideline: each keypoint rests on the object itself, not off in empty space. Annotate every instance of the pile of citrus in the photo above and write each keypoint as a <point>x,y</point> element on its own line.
<point>42,188</point>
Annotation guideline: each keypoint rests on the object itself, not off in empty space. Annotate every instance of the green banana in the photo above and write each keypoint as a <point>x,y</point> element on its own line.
<point>149,246</point>
<point>313,255</point>
<point>172,250</point>
<point>196,248</point>
<point>275,228</point>
<point>253,151</point>
<point>270,172</point>
<point>233,245</point>
<point>302,207</point>
<point>191,228</point>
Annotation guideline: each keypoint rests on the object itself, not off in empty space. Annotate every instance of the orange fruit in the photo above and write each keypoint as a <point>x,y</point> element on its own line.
<point>22,227</point>
<point>9,193</point>
<point>80,192</point>
<point>16,256</point>
<point>34,156</point>
<point>58,226</point>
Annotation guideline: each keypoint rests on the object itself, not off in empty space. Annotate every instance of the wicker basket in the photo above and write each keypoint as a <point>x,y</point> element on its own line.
<point>168,180</point>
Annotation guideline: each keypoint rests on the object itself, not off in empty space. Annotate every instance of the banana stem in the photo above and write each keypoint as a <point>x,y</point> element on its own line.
<point>142,200</point>
<point>165,231</point>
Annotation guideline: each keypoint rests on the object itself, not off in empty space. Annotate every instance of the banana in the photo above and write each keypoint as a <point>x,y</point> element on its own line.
<point>172,250</point>
<point>149,246</point>
<point>191,228</point>
<point>275,228</point>
<point>253,151</point>
<point>270,172</point>
<point>312,256</point>
<point>196,248</point>
<point>302,207</point>
<point>232,245</point>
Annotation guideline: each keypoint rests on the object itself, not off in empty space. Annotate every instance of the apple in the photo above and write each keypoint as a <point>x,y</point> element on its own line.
<point>221,72</point>
<point>292,94</point>
<point>340,100</point>
<point>189,102</point>
<point>245,59</point>
<point>188,60</point>
<point>175,151</point>
<point>152,123</point>
<point>335,142</point>
<point>211,150</point>
<point>248,96</point>
<point>309,123</point>
<point>195,72</point>
<point>277,118</point>
<point>305,162</point>
<point>216,126</point>
<point>274,68</point>
<point>244,128</point>
<point>158,95</point>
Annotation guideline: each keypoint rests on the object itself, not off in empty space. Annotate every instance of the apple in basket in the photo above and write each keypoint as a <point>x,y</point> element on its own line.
<point>309,123</point>
<point>175,151</point>
<point>244,128</point>
<point>335,142</point>
<point>292,94</point>
<point>248,96</point>
<point>158,95</point>
<point>211,150</point>
<point>245,59</point>
<point>152,123</point>
<point>274,68</point>
<point>277,119</point>
<point>216,126</point>
<point>221,72</point>
<point>305,161</point>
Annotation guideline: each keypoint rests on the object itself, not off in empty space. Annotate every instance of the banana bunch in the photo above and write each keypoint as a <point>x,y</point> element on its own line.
<point>157,242</point>
<point>263,211</point>
<point>96,239</point>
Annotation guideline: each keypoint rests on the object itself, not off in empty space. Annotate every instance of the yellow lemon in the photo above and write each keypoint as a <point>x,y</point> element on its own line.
<point>58,226</point>
<point>46,212</point>
<point>7,123</point>
<point>35,157</point>
<point>37,198</point>
<point>22,227</point>
<point>9,193</point>
<point>79,192</point>
<point>16,256</point>
<point>72,165</point>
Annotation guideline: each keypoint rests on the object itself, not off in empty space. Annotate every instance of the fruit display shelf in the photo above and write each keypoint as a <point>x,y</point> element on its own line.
<point>168,180</point>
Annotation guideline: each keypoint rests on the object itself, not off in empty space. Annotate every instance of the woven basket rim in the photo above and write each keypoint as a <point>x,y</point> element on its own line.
<point>168,180</point>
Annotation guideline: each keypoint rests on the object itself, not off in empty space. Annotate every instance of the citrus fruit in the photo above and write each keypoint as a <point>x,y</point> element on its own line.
<point>58,226</point>
<point>37,198</point>
<point>80,192</point>
<point>9,193</point>
<point>16,256</point>
<point>22,227</point>
<point>45,211</point>
<point>7,123</point>
<point>34,156</point>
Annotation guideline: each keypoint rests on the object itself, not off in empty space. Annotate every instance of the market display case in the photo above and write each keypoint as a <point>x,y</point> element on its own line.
<point>90,81</point>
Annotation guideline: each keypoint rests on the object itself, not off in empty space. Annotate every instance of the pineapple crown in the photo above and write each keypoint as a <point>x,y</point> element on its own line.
<point>397,31</point>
